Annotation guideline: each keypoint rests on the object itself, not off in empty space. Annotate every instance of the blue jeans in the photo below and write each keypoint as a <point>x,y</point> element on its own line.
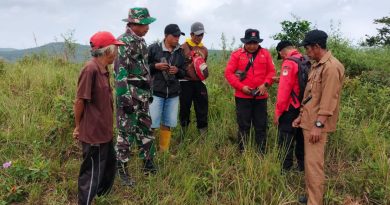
<point>164,111</point>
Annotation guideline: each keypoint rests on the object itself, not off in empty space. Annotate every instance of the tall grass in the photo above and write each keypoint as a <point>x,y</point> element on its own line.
<point>36,119</point>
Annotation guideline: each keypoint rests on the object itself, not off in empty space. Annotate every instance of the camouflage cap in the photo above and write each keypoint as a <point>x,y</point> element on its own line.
<point>139,15</point>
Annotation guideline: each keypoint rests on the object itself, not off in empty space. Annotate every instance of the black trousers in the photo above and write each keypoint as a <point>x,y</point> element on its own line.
<point>97,171</point>
<point>252,112</point>
<point>193,91</point>
<point>290,137</point>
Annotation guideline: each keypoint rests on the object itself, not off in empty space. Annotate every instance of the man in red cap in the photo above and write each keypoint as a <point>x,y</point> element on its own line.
<point>93,111</point>
<point>249,71</point>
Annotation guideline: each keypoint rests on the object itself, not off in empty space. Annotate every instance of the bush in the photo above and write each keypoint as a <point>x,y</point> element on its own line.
<point>358,60</point>
<point>2,67</point>
<point>36,125</point>
<point>376,77</point>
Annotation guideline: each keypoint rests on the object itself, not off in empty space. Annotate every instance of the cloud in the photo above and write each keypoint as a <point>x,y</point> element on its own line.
<point>50,18</point>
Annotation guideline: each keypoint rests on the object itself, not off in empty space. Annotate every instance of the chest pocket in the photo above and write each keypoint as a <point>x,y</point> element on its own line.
<point>315,81</point>
<point>261,66</point>
<point>242,62</point>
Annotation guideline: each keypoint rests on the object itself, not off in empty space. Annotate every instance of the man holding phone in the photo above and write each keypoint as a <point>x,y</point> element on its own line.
<point>166,61</point>
<point>249,71</point>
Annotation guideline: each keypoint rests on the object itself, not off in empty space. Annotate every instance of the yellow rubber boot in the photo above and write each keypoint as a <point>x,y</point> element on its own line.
<point>165,139</point>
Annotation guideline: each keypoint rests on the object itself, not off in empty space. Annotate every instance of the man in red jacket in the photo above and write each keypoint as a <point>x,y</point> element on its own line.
<point>287,107</point>
<point>249,71</point>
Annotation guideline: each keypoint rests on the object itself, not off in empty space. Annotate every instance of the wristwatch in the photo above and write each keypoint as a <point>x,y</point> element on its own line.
<point>319,124</point>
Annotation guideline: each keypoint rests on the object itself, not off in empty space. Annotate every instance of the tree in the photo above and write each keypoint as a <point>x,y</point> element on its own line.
<point>69,45</point>
<point>293,31</point>
<point>223,44</point>
<point>383,36</point>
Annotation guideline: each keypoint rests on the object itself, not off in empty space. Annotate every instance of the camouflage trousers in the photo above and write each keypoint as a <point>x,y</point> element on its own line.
<point>134,126</point>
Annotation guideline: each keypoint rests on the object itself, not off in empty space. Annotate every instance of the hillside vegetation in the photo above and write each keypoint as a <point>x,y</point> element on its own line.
<point>36,122</point>
<point>51,50</point>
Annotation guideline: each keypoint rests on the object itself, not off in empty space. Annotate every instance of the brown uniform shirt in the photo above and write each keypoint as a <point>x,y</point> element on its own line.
<point>96,125</point>
<point>190,69</point>
<point>324,85</point>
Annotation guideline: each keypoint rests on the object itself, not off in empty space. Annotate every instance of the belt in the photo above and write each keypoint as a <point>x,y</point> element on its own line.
<point>135,78</point>
<point>140,84</point>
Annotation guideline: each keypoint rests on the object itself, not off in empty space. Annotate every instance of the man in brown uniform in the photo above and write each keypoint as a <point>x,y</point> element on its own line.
<point>93,111</point>
<point>319,115</point>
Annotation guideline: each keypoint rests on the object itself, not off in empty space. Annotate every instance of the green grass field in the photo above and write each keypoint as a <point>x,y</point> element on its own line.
<point>36,122</point>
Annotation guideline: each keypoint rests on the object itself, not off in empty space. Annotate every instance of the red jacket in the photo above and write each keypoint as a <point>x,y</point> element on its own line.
<point>288,82</point>
<point>259,73</point>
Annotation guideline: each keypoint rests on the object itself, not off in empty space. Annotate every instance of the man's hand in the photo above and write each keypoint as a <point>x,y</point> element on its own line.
<point>262,89</point>
<point>173,70</point>
<point>315,135</point>
<point>276,120</point>
<point>198,52</point>
<point>161,66</point>
<point>296,122</point>
<point>78,109</point>
<point>276,79</point>
<point>76,133</point>
<point>246,90</point>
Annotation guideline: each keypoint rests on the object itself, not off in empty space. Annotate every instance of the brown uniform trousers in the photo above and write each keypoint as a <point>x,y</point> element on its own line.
<point>324,86</point>
<point>314,168</point>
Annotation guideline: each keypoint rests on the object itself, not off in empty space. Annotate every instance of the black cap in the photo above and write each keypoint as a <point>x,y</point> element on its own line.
<point>313,37</point>
<point>281,45</point>
<point>251,35</point>
<point>173,29</point>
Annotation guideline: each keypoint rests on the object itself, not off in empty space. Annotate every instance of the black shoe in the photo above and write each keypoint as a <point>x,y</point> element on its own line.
<point>285,170</point>
<point>182,134</point>
<point>149,167</point>
<point>241,149</point>
<point>301,166</point>
<point>287,166</point>
<point>203,132</point>
<point>124,176</point>
<point>302,199</point>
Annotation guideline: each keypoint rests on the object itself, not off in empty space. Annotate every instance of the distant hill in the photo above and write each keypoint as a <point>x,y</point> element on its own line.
<point>52,49</point>
<point>7,49</point>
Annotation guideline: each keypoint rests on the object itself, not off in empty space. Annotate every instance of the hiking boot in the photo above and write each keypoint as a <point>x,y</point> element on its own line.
<point>124,176</point>
<point>302,199</point>
<point>182,134</point>
<point>203,132</point>
<point>149,167</point>
<point>301,166</point>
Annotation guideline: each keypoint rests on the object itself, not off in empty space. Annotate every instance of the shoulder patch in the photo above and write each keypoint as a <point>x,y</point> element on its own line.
<point>285,72</point>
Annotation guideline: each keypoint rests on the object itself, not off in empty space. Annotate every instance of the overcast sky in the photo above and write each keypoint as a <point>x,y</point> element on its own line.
<point>21,20</point>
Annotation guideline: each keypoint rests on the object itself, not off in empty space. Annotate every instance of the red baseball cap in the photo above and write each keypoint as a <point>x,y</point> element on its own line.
<point>102,39</point>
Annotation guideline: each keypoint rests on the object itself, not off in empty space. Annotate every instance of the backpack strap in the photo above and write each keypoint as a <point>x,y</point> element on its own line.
<point>251,60</point>
<point>293,95</point>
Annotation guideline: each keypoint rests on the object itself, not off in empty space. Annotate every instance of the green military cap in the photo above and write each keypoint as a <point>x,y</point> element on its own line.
<point>139,15</point>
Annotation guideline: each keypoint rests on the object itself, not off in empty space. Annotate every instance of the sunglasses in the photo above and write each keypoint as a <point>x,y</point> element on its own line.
<point>200,35</point>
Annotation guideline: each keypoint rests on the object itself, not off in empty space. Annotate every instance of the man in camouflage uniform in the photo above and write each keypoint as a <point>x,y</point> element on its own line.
<point>133,94</point>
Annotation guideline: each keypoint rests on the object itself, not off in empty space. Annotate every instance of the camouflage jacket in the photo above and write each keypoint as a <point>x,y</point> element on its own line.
<point>131,64</point>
